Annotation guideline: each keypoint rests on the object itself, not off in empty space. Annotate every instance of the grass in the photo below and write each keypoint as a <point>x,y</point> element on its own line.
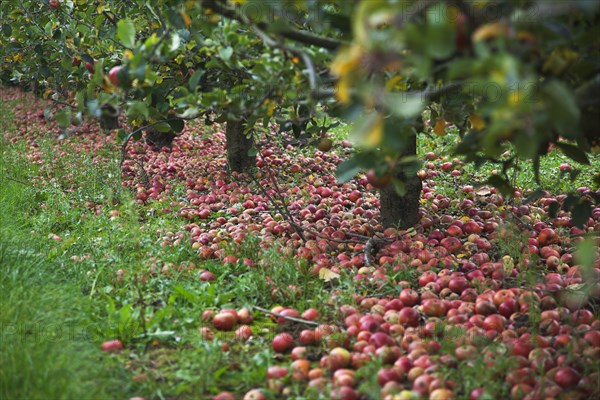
<point>45,340</point>
<point>522,176</point>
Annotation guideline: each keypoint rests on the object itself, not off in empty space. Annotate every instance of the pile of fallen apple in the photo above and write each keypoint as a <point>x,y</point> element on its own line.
<point>469,291</point>
<point>497,279</point>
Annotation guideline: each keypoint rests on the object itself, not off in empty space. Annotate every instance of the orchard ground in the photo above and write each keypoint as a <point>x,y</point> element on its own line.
<point>153,278</point>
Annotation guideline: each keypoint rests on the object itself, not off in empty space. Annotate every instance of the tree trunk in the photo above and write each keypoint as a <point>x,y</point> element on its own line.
<point>397,211</point>
<point>158,140</point>
<point>238,146</point>
<point>109,118</point>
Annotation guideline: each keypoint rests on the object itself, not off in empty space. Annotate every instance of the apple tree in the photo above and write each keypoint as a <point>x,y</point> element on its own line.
<point>157,65</point>
<point>503,75</point>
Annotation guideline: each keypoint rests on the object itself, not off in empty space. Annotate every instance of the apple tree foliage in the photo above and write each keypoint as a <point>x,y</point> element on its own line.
<point>175,62</point>
<point>503,74</point>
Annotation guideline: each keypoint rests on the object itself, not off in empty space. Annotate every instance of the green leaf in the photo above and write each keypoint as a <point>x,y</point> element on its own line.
<point>399,187</point>
<point>581,214</point>
<point>94,108</point>
<point>137,135</point>
<point>553,209</point>
<point>63,118</point>
<point>573,152</point>
<point>404,105</point>
<point>253,152</point>
<point>501,184</point>
<point>225,53</point>
<point>537,194</point>
<point>562,107</point>
<point>162,127</point>
<point>80,99</point>
<point>126,32</point>
<point>6,30</point>
<point>137,108</point>
<point>194,79</point>
<point>347,170</point>
<point>121,134</point>
<point>176,124</point>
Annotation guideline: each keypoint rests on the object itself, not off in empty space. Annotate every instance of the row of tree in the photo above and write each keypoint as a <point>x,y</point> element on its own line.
<point>504,74</point>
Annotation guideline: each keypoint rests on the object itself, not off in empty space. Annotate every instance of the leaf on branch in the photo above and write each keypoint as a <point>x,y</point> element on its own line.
<point>501,184</point>
<point>477,123</point>
<point>404,105</point>
<point>63,118</point>
<point>194,79</point>
<point>126,32</point>
<point>573,152</point>
<point>347,170</point>
<point>537,194</point>
<point>162,127</point>
<point>176,125</point>
<point>440,127</point>
<point>225,53</point>
<point>369,131</point>
<point>581,213</point>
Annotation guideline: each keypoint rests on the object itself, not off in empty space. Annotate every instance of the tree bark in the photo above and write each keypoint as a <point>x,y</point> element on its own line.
<point>109,118</point>
<point>238,146</point>
<point>158,140</point>
<point>397,211</point>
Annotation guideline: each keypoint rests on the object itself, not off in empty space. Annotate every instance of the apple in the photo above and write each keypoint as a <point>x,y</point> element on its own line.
<point>223,396</point>
<point>54,4</point>
<point>243,333</point>
<point>547,236</point>
<point>255,394</point>
<point>224,321</point>
<point>324,144</point>
<point>409,316</point>
<point>409,297</point>
<point>245,316</point>
<point>344,393</point>
<point>565,167</point>
<point>385,375</point>
<point>567,377</point>
<point>378,181</point>
<point>310,314</point>
<point>307,337</point>
<point>113,75</point>
<point>283,342</point>
<point>90,67</point>
<point>112,346</point>
<point>341,355</point>
<point>442,394</point>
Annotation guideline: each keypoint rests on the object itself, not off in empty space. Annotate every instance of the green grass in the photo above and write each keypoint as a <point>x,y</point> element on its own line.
<point>47,350</point>
<point>522,176</point>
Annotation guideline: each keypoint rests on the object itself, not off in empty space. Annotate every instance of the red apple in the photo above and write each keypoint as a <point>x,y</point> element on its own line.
<point>378,181</point>
<point>112,346</point>
<point>567,377</point>
<point>408,316</point>
<point>224,321</point>
<point>283,342</point>
<point>113,75</point>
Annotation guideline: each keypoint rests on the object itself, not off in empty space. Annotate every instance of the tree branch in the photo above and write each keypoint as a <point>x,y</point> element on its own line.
<point>303,37</point>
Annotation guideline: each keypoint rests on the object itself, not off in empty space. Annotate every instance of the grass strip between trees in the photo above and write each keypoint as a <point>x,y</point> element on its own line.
<point>47,348</point>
